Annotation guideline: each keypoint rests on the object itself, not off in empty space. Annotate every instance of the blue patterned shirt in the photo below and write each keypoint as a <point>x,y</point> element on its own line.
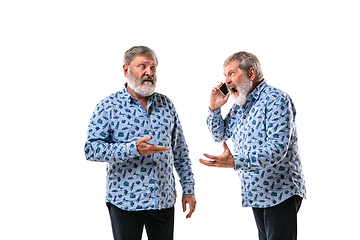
<point>265,141</point>
<point>134,181</point>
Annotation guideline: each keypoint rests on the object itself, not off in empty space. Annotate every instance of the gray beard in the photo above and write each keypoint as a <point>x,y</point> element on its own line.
<point>141,88</point>
<point>244,90</point>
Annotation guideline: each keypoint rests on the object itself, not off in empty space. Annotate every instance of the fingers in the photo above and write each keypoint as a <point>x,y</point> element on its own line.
<point>146,148</point>
<point>225,160</point>
<point>208,163</point>
<point>212,163</point>
<point>217,88</point>
<point>158,149</point>
<point>217,98</point>
<point>189,199</point>
<point>150,148</point>
<point>192,209</point>
<point>210,156</point>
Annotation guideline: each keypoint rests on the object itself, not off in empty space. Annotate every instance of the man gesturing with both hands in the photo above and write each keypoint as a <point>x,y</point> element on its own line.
<point>262,126</point>
<point>138,133</point>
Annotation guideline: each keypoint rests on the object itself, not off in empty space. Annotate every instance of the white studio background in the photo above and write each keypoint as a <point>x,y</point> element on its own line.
<point>58,59</point>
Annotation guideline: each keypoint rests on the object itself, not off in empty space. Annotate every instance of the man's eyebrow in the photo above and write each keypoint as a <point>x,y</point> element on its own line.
<point>228,72</point>
<point>147,62</point>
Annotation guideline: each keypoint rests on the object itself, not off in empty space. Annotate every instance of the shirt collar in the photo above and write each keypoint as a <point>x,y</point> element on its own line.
<point>130,98</point>
<point>259,88</point>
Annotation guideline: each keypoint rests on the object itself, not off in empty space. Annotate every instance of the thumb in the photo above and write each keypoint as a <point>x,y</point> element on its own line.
<point>145,139</point>
<point>225,146</point>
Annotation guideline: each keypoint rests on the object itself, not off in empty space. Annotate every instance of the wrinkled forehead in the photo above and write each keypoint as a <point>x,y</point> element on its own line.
<point>145,59</point>
<point>231,67</point>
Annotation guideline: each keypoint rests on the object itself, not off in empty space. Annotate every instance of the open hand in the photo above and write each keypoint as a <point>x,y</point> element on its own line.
<point>226,160</point>
<point>146,148</point>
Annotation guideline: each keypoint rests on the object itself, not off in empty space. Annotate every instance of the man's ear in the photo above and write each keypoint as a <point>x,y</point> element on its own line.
<point>126,70</point>
<point>252,74</point>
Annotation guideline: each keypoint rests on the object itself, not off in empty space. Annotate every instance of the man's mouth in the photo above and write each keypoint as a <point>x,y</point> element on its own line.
<point>233,89</point>
<point>147,79</point>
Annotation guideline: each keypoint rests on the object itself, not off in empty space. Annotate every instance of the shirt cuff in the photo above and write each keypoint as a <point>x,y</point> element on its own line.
<point>214,114</point>
<point>240,162</point>
<point>189,190</point>
<point>217,111</point>
<point>131,150</point>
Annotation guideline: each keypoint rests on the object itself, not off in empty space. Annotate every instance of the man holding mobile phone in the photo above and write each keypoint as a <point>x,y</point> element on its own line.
<point>262,126</point>
<point>137,132</point>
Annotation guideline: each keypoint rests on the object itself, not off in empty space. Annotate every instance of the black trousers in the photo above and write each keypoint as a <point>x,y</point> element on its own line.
<point>278,222</point>
<point>129,225</point>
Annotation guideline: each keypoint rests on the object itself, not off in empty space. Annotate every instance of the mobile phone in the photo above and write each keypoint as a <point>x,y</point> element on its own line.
<point>224,90</point>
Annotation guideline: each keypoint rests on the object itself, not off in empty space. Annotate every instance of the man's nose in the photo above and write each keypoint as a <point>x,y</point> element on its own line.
<point>149,72</point>
<point>228,80</point>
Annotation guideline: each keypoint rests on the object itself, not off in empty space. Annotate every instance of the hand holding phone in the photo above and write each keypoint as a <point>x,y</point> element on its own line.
<point>217,100</point>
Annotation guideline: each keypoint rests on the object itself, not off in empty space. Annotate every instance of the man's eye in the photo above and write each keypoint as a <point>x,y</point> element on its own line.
<point>232,74</point>
<point>153,69</point>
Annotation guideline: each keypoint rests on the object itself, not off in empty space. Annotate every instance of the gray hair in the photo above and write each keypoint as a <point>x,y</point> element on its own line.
<point>245,62</point>
<point>138,51</point>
